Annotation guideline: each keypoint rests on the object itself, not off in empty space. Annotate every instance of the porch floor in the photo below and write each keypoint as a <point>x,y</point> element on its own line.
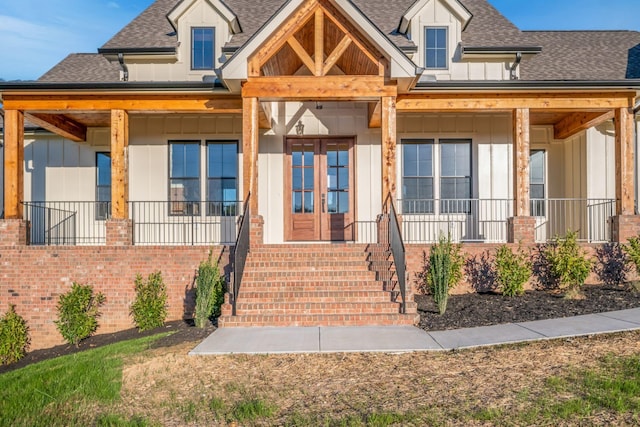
<point>392,339</point>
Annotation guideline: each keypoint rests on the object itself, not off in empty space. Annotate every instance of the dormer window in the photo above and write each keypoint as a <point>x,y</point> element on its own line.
<point>435,51</point>
<point>202,48</point>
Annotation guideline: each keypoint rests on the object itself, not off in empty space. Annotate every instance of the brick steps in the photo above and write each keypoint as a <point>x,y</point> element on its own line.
<point>315,285</point>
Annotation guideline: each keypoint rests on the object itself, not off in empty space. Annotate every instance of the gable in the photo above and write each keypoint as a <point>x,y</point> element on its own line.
<point>453,6</point>
<point>185,5</point>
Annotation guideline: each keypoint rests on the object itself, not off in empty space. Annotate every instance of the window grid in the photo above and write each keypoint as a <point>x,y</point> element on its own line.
<point>417,176</point>
<point>184,177</point>
<point>455,175</point>
<point>222,172</point>
<point>202,48</point>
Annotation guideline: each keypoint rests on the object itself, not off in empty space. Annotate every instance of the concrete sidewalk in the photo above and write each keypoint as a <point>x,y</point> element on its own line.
<point>394,339</point>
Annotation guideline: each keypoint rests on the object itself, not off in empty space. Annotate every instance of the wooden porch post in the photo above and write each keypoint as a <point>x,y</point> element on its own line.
<point>250,132</point>
<point>388,147</point>
<point>119,164</point>
<point>13,163</point>
<point>522,225</point>
<point>624,162</point>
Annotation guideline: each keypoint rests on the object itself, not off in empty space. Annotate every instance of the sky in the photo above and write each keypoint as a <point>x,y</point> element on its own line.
<point>37,34</point>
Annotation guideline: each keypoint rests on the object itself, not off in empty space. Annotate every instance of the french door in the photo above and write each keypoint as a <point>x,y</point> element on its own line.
<point>319,189</point>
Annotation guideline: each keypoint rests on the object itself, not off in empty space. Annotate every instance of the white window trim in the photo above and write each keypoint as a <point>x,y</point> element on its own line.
<point>447,44</point>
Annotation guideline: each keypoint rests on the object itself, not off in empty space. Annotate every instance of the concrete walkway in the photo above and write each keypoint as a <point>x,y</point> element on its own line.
<point>394,339</point>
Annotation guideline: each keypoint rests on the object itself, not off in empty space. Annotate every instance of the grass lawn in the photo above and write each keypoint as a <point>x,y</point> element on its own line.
<point>584,381</point>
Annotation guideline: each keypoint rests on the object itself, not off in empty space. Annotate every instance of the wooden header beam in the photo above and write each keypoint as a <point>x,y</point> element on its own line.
<point>59,124</point>
<point>468,102</point>
<point>577,122</point>
<point>132,103</point>
<point>315,88</point>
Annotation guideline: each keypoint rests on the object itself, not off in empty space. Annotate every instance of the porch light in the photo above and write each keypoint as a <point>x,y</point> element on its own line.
<point>300,128</point>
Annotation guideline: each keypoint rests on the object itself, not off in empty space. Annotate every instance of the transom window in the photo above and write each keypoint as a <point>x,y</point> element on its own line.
<point>424,180</point>
<point>103,185</point>
<point>184,177</point>
<point>222,173</point>
<point>202,48</point>
<point>435,47</point>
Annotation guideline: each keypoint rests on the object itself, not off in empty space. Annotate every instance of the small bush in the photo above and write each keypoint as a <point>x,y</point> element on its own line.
<point>210,288</point>
<point>149,310</point>
<point>14,337</point>
<point>443,271</point>
<point>612,264</point>
<point>513,270</point>
<point>78,312</point>
<point>567,262</point>
<point>633,252</point>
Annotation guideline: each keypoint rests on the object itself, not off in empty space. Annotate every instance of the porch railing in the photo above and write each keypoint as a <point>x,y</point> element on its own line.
<point>241,251</point>
<point>590,218</point>
<point>396,245</point>
<point>67,223</point>
<point>184,222</point>
<point>469,220</point>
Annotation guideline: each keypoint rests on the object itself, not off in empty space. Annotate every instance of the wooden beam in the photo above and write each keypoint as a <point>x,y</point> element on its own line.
<point>264,117</point>
<point>119,164</point>
<point>60,125</point>
<point>250,152</point>
<point>521,155</point>
<point>336,54</point>
<point>319,43</point>
<point>375,114</point>
<point>13,163</point>
<point>138,103</point>
<point>388,147</point>
<point>302,54</point>
<point>625,187</point>
<point>469,102</point>
<point>577,122</point>
<point>311,88</point>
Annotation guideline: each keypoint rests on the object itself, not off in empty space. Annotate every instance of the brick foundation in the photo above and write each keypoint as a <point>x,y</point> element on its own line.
<point>521,229</point>
<point>33,277</point>
<point>14,232</point>
<point>624,227</point>
<point>119,232</point>
<point>256,234</point>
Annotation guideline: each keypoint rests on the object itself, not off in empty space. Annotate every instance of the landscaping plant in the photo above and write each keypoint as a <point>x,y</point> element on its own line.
<point>149,309</point>
<point>568,263</point>
<point>444,271</point>
<point>78,312</point>
<point>633,252</point>
<point>14,337</point>
<point>210,288</point>
<point>512,269</point>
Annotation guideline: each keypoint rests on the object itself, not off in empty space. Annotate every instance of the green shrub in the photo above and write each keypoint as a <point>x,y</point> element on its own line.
<point>633,252</point>
<point>14,337</point>
<point>513,269</point>
<point>443,271</point>
<point>78,312</point>
<point>149,310</point>
<point>210,288</point>
<point>567,262</point>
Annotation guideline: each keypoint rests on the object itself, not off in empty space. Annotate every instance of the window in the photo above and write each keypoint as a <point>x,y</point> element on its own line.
<point>222,172</point>
<point>537,182</point>
<point>455,175</point>
<point>435,52</point>
<point>103,186</point>
<point>202,48</point>
<point>423,183</point>
<point>417,176</point>
<point>184,177</point>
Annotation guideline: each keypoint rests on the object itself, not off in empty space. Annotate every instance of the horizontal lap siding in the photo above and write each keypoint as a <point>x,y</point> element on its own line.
<point>32,278</point>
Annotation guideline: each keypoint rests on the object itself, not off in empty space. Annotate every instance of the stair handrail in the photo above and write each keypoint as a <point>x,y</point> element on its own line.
<point>241,251</point>
<point>396,245</point>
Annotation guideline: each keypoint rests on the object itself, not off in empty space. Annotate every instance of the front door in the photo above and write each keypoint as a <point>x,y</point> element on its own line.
<point>319,196</point>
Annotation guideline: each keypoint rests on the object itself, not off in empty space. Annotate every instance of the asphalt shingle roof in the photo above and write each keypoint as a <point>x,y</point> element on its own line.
<point>83,67</point>
<point>581,55</point>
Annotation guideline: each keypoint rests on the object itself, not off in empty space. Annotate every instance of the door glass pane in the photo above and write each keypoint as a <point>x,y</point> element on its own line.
<point>343,157</point>
<point>296,178</point>
<point>296,157</point>
<point>308,178</point>
<point>332,202</point>
<point>332,157</point>
<point>308,201</point>
<point>343,202</point>
<point>308,155</point>
<point>343,179</point>
<point>296,200</point>
<point>332,179</point>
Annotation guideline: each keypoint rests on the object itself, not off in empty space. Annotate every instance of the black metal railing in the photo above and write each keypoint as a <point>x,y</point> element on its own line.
<point>397,250</point>
<point>66,223</point>
<point>241,251</point>
<point>184,222</point>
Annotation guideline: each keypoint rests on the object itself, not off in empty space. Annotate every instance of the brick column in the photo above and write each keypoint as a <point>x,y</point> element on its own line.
<point>624,227</point>
<point>119,232</point>
<point>14,232</point>
<point>256,236</point>
<point>521,229</point>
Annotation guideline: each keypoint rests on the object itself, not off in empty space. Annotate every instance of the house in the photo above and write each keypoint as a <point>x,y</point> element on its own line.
<point>317,147</point>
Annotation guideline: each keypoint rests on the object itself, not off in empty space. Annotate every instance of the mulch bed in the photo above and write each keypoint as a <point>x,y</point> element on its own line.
<point>489,308</point>
<point>463,311</point>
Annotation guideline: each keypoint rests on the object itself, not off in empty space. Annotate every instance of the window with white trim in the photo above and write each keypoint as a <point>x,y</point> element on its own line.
<point>203,48</point>
<point>537,182</point>
<point>222,178</point>
<point>435,50</point>
<point>103,185</point>
<point>184,177</point>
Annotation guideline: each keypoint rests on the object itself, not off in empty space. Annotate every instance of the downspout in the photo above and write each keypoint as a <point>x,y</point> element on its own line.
<point>125,70</point>
<point>515,65</point>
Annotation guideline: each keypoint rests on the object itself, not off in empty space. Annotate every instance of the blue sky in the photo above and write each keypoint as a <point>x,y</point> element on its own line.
<point>36,34</point>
